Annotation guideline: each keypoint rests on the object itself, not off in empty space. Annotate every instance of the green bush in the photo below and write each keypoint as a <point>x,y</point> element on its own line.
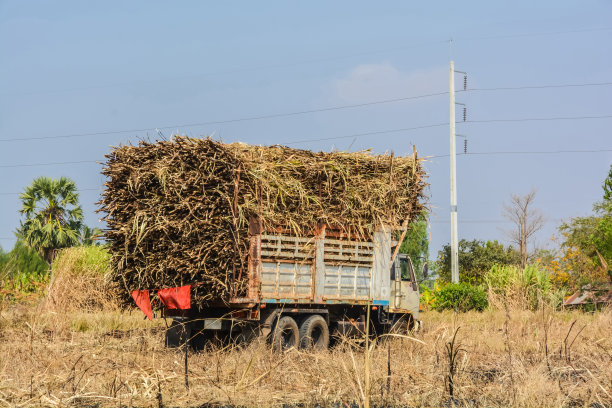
<point>476,258</point>
<point>461,297</point>
<point>524,288</point>
<point>80,280</point>
<point>22,272</point>
<point>87,259</point>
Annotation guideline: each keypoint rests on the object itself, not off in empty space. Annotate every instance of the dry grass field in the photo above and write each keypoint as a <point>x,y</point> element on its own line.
<point>52,356</point>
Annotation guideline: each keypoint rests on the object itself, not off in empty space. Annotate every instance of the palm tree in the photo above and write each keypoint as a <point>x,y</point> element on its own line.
<point>90,236</point>
<point>52,216</point>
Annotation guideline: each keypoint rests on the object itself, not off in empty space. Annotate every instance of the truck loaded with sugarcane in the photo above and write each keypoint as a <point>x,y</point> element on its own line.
<point>236,240</point>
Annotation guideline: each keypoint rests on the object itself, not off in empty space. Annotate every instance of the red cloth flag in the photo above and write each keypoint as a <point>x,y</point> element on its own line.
<point>141,297</point>
<point>176,298</point>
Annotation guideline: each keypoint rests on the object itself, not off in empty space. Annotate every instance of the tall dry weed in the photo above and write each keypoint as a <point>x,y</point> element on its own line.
<point>111,359</point>
<point>512,287</point>
<point>80,281</point>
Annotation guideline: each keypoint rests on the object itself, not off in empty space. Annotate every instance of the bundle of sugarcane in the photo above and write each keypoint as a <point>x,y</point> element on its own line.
<point>178,211</point>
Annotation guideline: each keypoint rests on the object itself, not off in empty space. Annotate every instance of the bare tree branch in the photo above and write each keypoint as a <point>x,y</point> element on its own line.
<point>527,221</point>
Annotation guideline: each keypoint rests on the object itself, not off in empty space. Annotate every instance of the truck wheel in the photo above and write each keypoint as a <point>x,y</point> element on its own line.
<point>314,333</point>
<point>286,334</point>
<point>404,325</point>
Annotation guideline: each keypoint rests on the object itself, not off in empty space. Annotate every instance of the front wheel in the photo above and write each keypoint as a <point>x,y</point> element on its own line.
<point>286,334</point>
<point>314,333</point>
<point>405,325</point>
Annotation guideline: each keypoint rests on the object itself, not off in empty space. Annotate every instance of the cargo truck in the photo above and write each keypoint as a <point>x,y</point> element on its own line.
<point>304,291</point>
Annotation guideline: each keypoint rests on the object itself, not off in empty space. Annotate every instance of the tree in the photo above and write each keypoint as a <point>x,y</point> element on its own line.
<point>526,220</point>
<point>587,245</point>
<point>476,258</point>
<point>607,186</point>
<point>90,235</point>
<point>52,216</point>
<point>416,243</point>
<point>21,259</point>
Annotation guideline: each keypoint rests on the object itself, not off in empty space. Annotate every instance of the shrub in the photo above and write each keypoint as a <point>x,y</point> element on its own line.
<point>23,274</point>
<point>523,288</point>
<point>475,259</point>
<point>427,297</point>
<point>461,297</point>
<point>80,280</point>
<point>88,259</point>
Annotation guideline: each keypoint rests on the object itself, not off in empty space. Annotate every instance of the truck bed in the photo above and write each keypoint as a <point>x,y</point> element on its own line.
<point>324,268</point>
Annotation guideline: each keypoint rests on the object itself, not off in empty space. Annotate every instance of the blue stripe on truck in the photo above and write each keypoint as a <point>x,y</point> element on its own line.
<point>279,301</point>
<point>329,302</point>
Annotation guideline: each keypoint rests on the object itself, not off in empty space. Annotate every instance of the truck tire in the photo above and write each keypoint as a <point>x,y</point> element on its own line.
<point>314,333</point>
<point>404,325</point>
<point>286,334</point>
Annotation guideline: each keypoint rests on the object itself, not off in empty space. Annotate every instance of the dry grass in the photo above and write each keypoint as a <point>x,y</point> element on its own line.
<point>80,281</point>
<point>112,359</point>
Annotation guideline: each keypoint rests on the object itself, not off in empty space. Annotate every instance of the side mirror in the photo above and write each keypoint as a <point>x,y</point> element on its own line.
<point>425,270</point>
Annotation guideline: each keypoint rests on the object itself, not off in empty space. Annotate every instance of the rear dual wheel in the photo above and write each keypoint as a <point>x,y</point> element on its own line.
<point>313,333</point>
<point>286,334</point>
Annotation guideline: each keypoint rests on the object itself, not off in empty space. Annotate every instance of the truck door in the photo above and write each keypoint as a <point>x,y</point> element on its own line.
<point>404,287</point>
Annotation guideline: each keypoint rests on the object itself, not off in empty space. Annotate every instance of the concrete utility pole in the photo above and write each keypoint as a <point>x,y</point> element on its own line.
<point>453,182</point>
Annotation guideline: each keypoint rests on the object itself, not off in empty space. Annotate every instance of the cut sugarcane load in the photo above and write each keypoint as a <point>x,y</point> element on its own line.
<point>242,224</point>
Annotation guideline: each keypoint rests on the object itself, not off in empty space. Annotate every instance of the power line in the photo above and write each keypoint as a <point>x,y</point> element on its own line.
<point>385,132</point>
<point>349,136</point>
<point>366,134</point>
<point>289,143</point>
<point>326,109</point>
<point>498,37</point>
<point>541,152</point>
<point>79,190</point>
<point>538,119</point>
<point>492,153</point>
<point>305,112</point>
<point>48,164</point>
<point>314,60</point>
<point>522,152</point>
<point>238,70</point>
<point>244,119</point>
<point>513,88</point>
<point>483,221</point>
<point>469,221</point>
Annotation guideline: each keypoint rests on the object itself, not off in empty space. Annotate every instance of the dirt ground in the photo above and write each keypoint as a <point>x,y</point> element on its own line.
<point>108,358</point>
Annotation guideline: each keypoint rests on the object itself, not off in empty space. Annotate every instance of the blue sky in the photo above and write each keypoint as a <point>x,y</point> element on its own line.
<point>106,73</point>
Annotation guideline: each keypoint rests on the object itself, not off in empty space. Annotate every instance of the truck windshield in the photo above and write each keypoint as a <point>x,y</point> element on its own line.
<point>405,268</point>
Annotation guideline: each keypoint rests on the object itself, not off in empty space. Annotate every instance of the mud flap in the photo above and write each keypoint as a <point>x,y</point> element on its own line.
<point>178,333</point>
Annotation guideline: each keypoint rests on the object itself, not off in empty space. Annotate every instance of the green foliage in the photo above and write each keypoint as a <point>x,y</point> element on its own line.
<point>52,216</point>
<point>89,236</point>
<point>4,258</point>
<point>22,259</point>
<point>588,242</point>
<point>22,271</point>
<point>460,297</point>
<point>416,244</point>
<point>426,297</point>
<point>84,260</point>
<point>476,258</point>
<point>607,186</point>
<point>590,237</point>
<point>525,288</point>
